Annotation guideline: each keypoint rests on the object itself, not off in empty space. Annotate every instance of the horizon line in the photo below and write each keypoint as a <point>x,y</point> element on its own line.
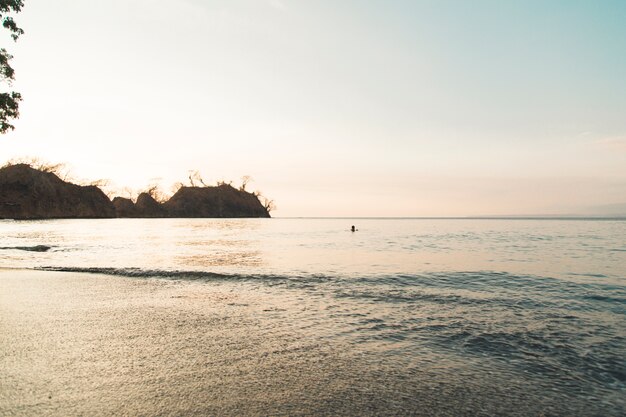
<point>487,217</point>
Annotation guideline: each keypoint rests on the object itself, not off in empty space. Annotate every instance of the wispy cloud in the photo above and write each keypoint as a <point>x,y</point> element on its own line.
<point>616,143</point>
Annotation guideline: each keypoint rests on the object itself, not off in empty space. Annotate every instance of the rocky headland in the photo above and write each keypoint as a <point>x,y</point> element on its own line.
<point>29,193</point>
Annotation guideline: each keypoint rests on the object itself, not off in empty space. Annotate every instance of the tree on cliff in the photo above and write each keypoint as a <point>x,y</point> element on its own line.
<point>269,204</point>
<point>9,101</point>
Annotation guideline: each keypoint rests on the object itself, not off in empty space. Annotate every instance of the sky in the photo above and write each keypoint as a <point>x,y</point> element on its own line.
<point>334,108</point>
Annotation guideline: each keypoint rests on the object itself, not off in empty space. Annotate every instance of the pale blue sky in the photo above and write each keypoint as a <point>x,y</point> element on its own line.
<point>352,108</point>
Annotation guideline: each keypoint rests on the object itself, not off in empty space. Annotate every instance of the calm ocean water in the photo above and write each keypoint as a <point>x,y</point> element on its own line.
<point>527,311</point>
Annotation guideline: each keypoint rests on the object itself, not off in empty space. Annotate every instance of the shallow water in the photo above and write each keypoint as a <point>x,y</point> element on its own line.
<point>431,317</point>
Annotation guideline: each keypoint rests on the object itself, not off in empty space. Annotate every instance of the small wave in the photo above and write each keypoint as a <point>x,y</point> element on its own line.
<point>590,275</point>
<point>567,353</point>
<point>140,273</point>
<point>269,279</point>
<point>480,287</point>
<point>606,298</point>
<point>36,248</point>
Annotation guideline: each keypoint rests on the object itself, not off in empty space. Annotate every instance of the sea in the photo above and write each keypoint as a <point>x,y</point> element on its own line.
<point>484,316</point>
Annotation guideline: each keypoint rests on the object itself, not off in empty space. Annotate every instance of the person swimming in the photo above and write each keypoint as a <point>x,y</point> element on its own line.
<point>353,228</point>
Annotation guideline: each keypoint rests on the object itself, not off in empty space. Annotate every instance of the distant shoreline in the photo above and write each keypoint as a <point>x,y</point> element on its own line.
<point>27,193</point>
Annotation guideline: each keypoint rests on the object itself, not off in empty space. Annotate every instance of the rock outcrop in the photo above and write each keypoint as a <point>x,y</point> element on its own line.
<point>147,206</point>
<point>220,201</point>
<point>124,207</point>
<point>27,193</point>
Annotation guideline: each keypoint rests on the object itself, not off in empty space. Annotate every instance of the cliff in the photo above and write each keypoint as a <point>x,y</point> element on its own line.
<point>26,193</point>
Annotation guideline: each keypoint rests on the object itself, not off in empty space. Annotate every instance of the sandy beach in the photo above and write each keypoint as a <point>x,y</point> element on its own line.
<point>89,344</point>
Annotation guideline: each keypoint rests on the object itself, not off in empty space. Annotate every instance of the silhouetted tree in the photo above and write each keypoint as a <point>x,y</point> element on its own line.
<point>129,193</point>
<point>60,170</point>
<point>155,191</point>
<point>177,186</point>
<point>9,101</point>
<point>194,175</point>
<point>269,204</point>
<point>244,182</point>
<point>98,183</point>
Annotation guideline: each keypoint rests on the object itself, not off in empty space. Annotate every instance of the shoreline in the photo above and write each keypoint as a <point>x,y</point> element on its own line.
<point>91,344</point>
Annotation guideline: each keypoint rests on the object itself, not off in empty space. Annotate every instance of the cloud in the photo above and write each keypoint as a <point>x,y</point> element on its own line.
<point>615,143</point>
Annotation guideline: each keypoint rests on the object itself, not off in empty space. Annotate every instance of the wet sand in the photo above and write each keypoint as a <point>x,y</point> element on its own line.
<point>88,344</point>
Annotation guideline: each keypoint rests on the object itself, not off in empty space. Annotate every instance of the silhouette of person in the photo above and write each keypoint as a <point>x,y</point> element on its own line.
<point>353,228</point>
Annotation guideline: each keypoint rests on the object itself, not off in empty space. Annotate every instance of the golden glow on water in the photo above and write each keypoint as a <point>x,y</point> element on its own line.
<point>566,249</point>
